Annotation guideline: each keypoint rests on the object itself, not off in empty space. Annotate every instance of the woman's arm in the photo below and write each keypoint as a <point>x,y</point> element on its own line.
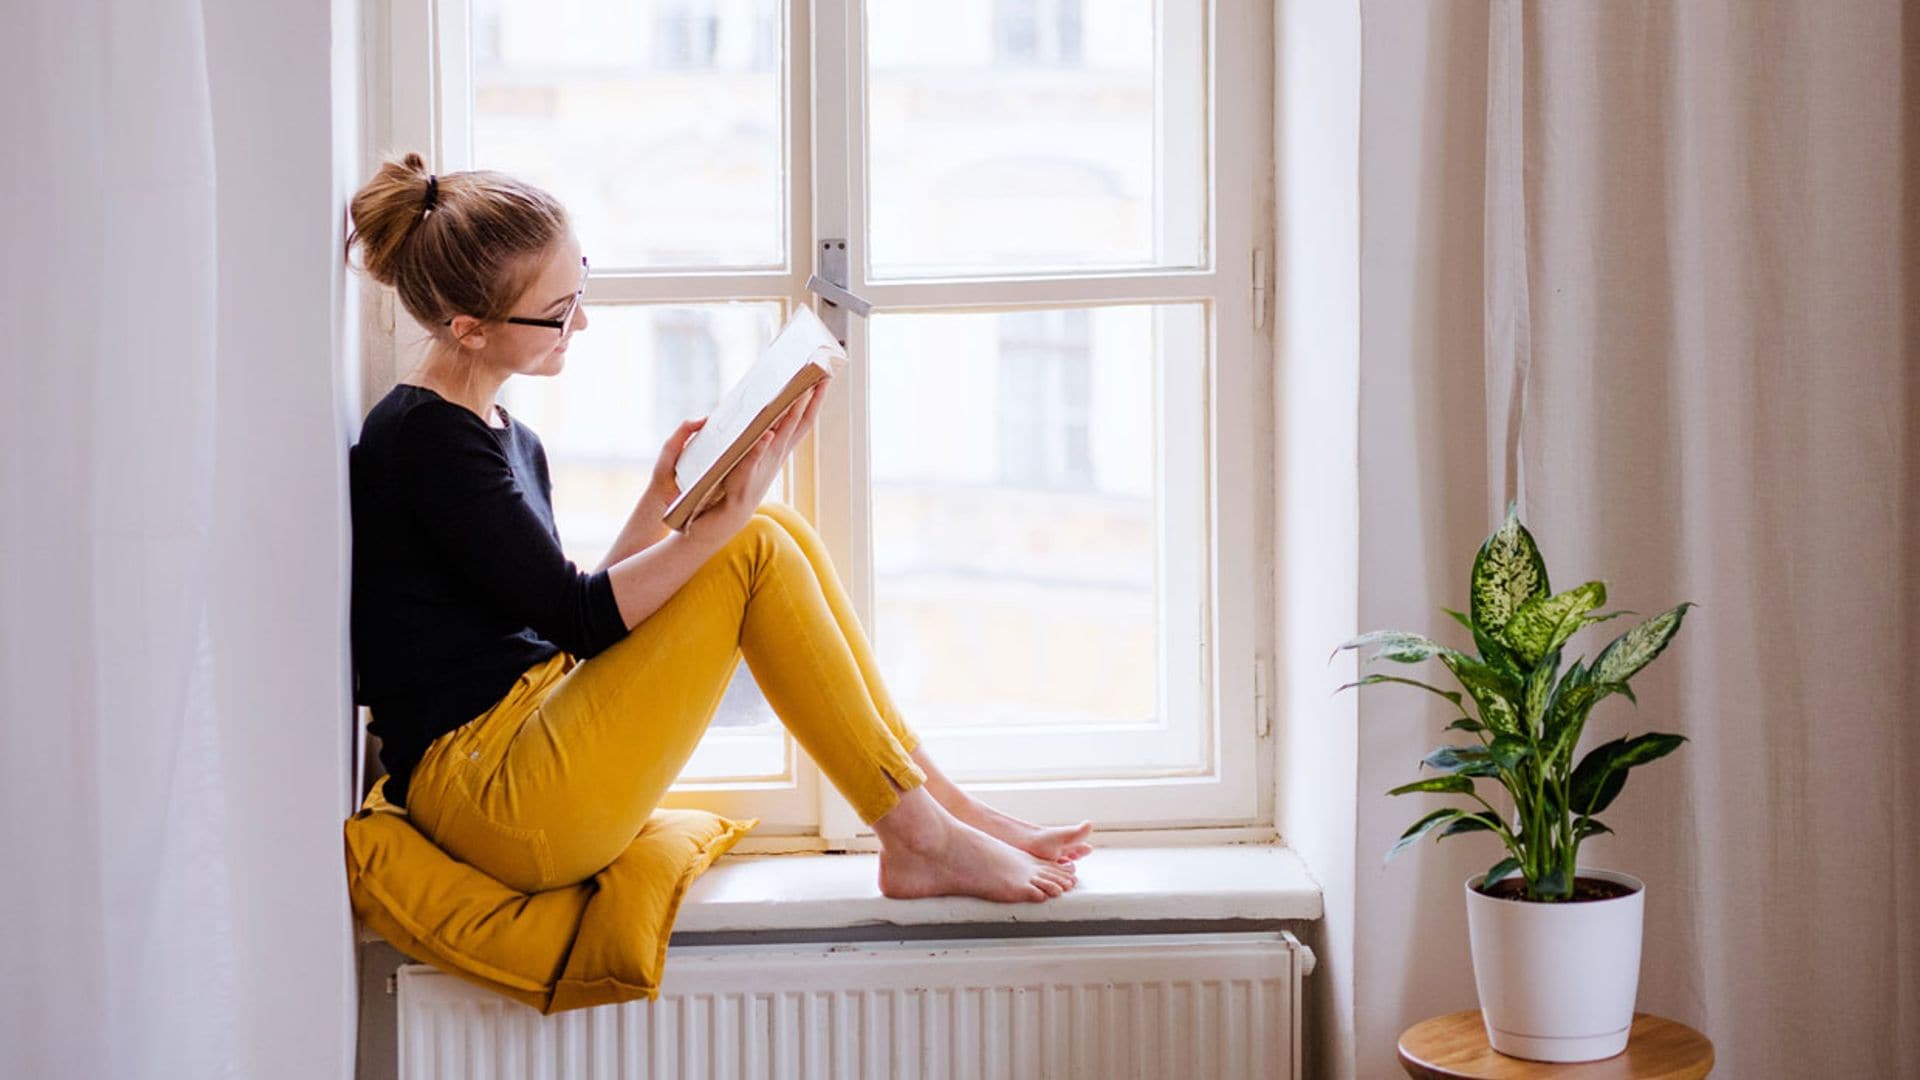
<point>642,530</point>
<point>644,527</point>
<point>644,581</point>
<point>647,579</point>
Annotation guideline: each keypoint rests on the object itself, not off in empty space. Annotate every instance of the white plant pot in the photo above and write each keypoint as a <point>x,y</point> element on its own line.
<point>1557,982</point>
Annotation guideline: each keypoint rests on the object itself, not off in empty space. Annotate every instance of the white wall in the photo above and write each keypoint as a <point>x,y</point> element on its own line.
<point>283,79</point>
<point>1317,355</point>
<point>1423,504</point>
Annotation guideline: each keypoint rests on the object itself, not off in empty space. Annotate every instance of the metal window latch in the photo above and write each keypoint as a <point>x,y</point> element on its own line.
<point>829,282</point>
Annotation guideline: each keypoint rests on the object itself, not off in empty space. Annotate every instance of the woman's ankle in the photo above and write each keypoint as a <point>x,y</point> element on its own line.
<point>917,822</point>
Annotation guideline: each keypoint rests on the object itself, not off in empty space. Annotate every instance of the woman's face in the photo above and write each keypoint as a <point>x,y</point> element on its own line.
<point>541,350</point>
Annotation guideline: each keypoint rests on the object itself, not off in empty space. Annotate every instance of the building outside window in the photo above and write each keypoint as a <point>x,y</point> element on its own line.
<point>1046,400</point>
<point>1036,32</point>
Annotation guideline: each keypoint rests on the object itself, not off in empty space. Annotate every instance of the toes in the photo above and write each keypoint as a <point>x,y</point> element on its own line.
<point>1049,886</point>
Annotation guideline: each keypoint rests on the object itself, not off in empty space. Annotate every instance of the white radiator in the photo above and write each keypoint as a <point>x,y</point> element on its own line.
<point>1204,1005</point>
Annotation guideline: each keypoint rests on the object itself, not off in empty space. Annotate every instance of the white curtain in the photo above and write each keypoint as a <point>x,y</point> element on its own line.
<point>171,581</point>
<point>1650,269</point>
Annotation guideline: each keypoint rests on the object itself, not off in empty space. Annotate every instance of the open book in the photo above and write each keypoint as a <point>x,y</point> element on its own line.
<point>804,353</point>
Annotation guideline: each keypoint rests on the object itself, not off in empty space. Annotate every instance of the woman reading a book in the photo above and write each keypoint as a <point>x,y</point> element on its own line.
<point>531,715</point>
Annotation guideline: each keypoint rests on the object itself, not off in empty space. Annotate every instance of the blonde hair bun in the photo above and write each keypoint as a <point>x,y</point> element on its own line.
<point>463,243</point>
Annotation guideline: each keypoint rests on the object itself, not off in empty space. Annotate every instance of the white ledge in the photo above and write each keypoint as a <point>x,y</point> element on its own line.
<point>809,892</point>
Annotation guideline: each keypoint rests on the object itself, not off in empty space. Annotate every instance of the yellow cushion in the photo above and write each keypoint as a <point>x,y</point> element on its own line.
<point>603,940</point>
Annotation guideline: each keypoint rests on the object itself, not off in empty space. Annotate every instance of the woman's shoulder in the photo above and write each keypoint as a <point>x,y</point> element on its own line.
<point>412,412</point>
<point>413,428</point>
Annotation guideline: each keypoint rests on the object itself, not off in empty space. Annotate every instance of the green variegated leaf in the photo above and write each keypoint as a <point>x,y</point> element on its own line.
<point>1420,828</point>
<point>1396,645</point>
<point>1507,572</point>
<point>1585,783</point>
<point>1465,760</point>
<point>1475,675</point>
<point>1466,723</point>
<point>1500,869</point>
<point>1603,772</point>
<point>1508,751</point>
<point>1498,657</point>
<point>1372,680</point>
<point>1497,711</point>
<point>1589,827</point>
<point>1576,676</point>
<point>1492,652</point>
<point>1466,823</point>
<point>1452,785</point>
<point>1551,721</point>
<point>1573,700</point>
<point>1494,693</point>
<point>1543,624</point>
<point>1636,648</point>
<point>1537,695</point>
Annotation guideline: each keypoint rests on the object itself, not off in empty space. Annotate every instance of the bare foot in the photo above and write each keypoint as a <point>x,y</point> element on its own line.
<point>963,861</point>
<point>1056,843</point>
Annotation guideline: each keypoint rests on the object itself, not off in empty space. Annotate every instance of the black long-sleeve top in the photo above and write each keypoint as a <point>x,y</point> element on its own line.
<point>459,583</point>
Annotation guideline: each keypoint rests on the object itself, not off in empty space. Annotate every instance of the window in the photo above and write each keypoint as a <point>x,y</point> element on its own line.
<point>686,369</point>
<point>1031,476</point>
<point>1036,32</point>
<point>686,34</point>
<point>1045,400</point>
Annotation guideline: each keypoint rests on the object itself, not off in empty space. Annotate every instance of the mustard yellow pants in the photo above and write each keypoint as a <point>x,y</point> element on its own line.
<point>548,786</point>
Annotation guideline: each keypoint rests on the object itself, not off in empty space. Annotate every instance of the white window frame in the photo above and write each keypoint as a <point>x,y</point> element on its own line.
<point>1233,799</point>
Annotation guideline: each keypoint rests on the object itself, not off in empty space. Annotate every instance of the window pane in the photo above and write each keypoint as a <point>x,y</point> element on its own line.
<point>1021,542</point>
<point>630,378</point>
<point>658,125</point>
<point>1024,135</point>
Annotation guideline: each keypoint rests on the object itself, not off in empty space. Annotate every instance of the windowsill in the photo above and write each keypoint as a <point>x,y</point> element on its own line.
<point>758,894</point>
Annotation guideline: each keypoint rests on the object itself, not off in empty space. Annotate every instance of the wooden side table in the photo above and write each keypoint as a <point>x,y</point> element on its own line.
<point>1455,1046</point>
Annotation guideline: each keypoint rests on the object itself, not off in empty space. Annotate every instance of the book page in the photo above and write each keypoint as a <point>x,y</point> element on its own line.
<point>796,346</point>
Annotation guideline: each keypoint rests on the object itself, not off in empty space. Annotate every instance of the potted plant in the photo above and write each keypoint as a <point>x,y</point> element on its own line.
<point>1556,946</point>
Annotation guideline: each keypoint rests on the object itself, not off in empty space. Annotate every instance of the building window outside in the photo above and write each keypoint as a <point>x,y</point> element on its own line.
<point>686,367</point>
<point>686,35</point>
<point>1046,400</point>
<point>1035,33</point>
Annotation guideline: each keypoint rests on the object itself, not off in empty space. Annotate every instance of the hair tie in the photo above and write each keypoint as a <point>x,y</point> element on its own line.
<point>433,194</point>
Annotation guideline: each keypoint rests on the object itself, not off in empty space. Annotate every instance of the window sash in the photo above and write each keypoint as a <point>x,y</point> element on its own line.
<point>825,84</point>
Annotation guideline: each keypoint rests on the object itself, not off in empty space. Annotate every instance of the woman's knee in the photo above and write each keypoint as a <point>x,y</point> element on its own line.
<point>762,541</point>
<point>780,512</point>
<point>791,520</point>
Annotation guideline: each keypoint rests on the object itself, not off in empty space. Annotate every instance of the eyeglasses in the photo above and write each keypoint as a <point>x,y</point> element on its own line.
<point>566,317</point>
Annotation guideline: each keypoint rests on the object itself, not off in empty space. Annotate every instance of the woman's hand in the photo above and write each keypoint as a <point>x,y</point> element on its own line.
<point>663,487</point>
<point>746,486</point>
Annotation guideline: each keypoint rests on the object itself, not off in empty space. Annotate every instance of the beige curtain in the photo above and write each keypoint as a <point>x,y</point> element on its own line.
<point>1650,269</point>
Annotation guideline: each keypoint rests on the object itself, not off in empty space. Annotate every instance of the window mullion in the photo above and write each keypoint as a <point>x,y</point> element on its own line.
<point>840,435</point>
